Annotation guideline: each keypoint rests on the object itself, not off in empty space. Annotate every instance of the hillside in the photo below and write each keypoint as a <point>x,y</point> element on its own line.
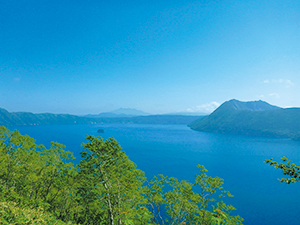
<point>255,118</point>
<point>25,118</point>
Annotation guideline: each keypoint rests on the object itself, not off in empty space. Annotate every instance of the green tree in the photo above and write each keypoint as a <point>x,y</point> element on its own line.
<point>184,206</point>
<point>31,175</point>
<point>110,183</point>
<point>288,168</point>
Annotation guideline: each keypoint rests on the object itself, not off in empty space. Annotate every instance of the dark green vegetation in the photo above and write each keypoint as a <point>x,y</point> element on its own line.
<point>42,186</point>
<point>251,118</point>
<point>24,118</point>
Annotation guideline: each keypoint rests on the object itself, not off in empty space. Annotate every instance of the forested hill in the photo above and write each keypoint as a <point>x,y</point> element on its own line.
<point>256,118</point>
<point>25,118</point>
<point>235,105</point>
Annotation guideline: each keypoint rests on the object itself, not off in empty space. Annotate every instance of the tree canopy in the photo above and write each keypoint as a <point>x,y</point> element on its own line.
<point>43,186</point>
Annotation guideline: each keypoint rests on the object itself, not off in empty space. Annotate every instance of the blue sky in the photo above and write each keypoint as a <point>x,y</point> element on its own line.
<point>83,57</point>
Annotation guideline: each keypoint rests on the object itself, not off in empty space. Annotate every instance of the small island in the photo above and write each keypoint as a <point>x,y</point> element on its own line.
<point>100,131</point>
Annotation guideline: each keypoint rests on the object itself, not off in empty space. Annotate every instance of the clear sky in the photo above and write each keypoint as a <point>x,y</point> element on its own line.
<point>81,57</point>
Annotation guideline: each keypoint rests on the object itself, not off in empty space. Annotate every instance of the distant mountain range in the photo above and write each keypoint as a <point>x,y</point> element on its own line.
<point>122,112</point>
<point>188,114</point>
<point>256,118</point>
<point>119,116</point>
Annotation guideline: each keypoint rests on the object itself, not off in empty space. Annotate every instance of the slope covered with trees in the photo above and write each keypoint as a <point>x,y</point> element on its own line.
<point>251,118</point>
<point>26,118</point>
<point>42,186</point>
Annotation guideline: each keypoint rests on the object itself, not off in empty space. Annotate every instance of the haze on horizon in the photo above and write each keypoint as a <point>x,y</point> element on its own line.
<point>87,57</point>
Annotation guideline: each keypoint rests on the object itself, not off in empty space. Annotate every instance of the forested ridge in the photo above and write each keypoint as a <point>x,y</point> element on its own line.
<point>26,118</point>
<point>43,186</point>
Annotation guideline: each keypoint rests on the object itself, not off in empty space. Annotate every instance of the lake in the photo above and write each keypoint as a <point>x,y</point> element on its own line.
<point>176,150</point>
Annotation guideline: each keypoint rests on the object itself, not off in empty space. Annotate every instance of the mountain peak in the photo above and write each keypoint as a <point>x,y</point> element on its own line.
<point>121,112</point>
<point>256,118</point>
<point>236,105</point>
<point>129,111</point>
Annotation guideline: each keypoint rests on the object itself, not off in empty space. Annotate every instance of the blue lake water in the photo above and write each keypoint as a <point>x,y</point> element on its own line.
<point>175,150</point>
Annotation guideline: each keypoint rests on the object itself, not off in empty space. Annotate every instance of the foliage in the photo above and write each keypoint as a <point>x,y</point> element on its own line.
<point>288,168</point>
<point>184,206</point>
<point>41,186</point>
<point>10,213</point>
<point>109,180</point>
<point>32,175</point>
